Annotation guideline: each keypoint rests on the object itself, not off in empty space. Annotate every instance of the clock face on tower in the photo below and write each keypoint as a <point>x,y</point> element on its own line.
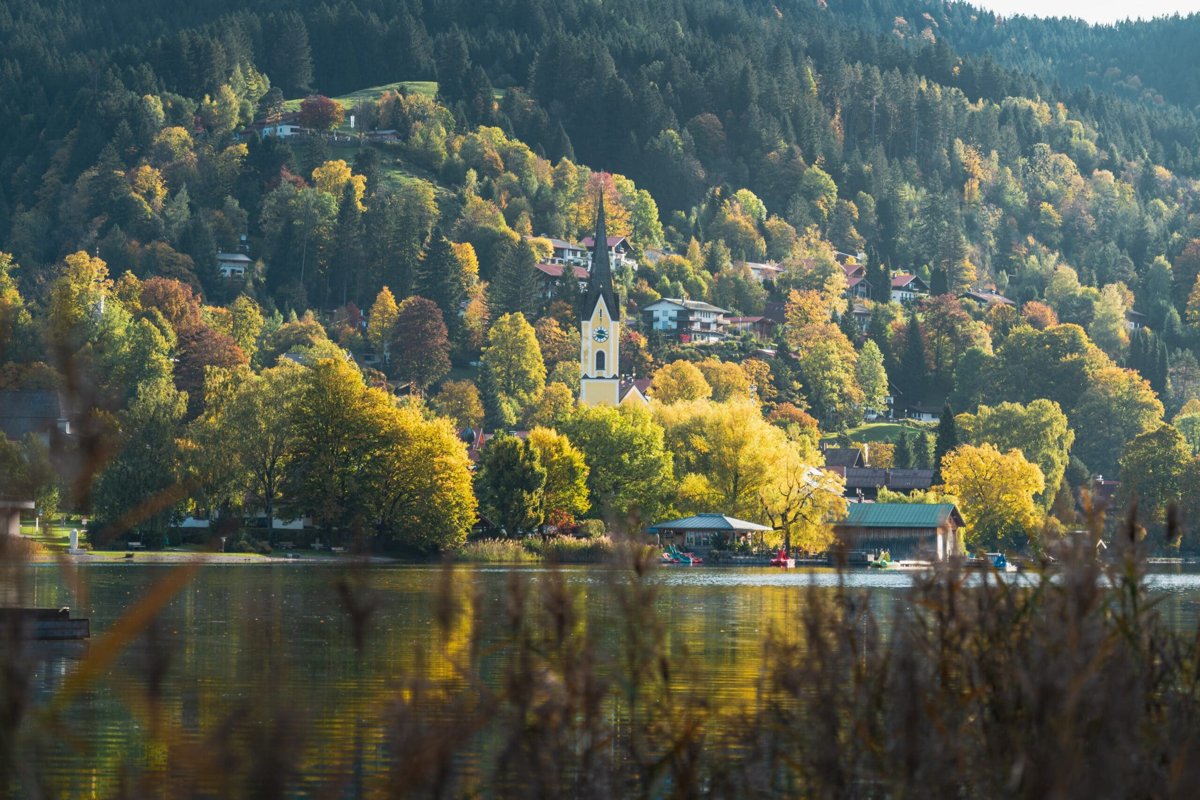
<point>600,334</point>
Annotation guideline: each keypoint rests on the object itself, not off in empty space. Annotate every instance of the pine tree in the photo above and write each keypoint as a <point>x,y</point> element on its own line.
<point>347,248</point>
<point>938,285</point>
<point>516,287</point>
<point>914,372</point>
<point>903,458</point>
<point>440,278</point>
<point>924,450</point>
<point>947,440</point>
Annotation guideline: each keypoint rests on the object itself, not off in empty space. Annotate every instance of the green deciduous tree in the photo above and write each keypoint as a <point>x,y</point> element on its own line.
<point>460,402</point>
<point>1117,406</point>
<point>511,485</point>
<point>1039,430</point>
<point>1153,468</point>
<point>871,376</point>
<point>244,438</point>
<point>631,471</point>
<point>566,492</point>
<point>139,489</point>
<point>513,371</point>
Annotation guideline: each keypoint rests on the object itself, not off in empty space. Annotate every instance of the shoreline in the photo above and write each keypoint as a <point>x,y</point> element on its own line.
<point>168,557</point>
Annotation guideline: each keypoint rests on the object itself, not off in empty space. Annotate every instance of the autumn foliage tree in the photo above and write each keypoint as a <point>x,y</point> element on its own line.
<point>420,345</point>
<point>997,492</point>
<point>321,113</point>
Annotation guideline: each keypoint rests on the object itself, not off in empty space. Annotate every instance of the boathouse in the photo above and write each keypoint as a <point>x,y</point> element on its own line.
<point>703,532</point>
<point>928,531</point>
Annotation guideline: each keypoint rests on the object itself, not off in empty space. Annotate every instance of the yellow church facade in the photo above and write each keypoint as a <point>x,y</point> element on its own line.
<point>600,380</point>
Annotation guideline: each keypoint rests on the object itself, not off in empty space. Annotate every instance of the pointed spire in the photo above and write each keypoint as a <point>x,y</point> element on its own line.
<point>600,282</point>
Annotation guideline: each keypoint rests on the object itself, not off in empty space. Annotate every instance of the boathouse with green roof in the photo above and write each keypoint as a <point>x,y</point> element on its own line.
<point>928,531</point>
<point>703,532</point>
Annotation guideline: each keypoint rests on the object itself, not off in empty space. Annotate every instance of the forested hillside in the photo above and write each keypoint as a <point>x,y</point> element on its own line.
<point>815,138</point>
<point>1151,61</point>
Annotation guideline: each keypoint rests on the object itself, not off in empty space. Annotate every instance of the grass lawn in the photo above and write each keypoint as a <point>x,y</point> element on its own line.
<point>53,536</point>
<point>881,431</point>
<point>349,101</point>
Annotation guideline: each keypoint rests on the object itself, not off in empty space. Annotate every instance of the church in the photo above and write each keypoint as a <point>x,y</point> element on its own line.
<point>601,382</point>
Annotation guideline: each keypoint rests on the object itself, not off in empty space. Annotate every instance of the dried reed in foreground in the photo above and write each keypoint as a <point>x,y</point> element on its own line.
<point>1066,683</point>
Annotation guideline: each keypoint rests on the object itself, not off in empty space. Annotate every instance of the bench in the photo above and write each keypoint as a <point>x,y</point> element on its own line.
<point>337,549</point>
<point>136,546</point>
<point>286,545</point>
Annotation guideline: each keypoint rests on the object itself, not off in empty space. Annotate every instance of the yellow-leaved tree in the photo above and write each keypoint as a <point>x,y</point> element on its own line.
<point>732,461</point>
<point>680,381</point>
<point>334,176</point>
<point>997,491</point>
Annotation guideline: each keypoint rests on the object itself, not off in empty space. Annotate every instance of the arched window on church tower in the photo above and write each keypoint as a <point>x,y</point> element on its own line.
<point>599,362</point>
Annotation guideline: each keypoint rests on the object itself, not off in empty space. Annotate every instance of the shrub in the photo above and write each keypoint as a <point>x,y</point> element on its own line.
<point>572,550</point>
<point>493,551</point>
<point>590,529</point>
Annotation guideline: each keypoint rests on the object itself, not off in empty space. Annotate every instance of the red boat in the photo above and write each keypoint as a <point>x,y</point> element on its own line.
<point>782,559</point>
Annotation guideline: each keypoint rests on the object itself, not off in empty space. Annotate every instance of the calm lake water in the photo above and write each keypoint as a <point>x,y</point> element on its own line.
<point>238,633</point>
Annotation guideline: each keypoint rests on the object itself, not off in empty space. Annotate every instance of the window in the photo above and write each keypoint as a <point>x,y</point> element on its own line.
<point>600,362</point>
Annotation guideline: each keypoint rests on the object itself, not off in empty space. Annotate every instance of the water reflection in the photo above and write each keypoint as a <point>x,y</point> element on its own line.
<point>278,638</point>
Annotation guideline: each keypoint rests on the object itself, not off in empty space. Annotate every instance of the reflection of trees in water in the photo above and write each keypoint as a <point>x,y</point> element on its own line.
<point>598,682</point>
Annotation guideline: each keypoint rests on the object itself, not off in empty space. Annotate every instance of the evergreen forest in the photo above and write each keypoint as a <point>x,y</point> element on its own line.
<point>1040,177</point>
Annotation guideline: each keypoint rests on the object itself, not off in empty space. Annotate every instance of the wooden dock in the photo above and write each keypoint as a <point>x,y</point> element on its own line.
<point>44,624</point>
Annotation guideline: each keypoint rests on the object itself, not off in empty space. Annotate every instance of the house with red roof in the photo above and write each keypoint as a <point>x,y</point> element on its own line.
<point>908,288</point>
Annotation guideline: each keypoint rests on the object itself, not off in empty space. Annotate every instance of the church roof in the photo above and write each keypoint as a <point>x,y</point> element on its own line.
<point>601,283</point>
<point>641,385</point>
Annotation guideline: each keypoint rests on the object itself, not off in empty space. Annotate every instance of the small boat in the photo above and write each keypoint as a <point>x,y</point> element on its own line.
<point>782,559</point>
<point>990,561</point>
<point>673,555</point>
<point>44,624</point>
<point>910,564</point>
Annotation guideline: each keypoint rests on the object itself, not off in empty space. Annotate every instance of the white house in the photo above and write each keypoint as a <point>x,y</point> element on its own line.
<point>907,288</point>
<point>618,250</point>
<point>551,273</point>
<point>764,271</point>
<point>569,253</point>
<point>233,266</point>
<point>690,320</point>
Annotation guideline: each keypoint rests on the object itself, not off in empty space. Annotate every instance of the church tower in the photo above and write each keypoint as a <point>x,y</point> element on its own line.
<point>599,368</point>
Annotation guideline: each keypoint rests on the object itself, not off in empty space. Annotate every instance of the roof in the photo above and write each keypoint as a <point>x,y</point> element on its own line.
<point>900,515</point>
<point>228,258</point>
<point>556,270</point>
<point>708,522</point>
<point>690,305</point>
<point>759,266</point>
<point>601,285</point>
<point>642,385</point>
<point>26,412</point>
<point>855,280</point>
<point>745,320</point>
<point>991,298</point>
<point>875,477</point>
<point>563,244</point>
<point>590,241</point>
<point>902,280</point>
<point>843,456</point>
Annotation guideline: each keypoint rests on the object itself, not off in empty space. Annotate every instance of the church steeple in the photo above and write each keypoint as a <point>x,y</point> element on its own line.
<point>600,283</point>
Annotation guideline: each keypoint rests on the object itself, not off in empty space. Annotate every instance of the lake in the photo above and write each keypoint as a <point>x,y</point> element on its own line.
<point>277,638</point>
